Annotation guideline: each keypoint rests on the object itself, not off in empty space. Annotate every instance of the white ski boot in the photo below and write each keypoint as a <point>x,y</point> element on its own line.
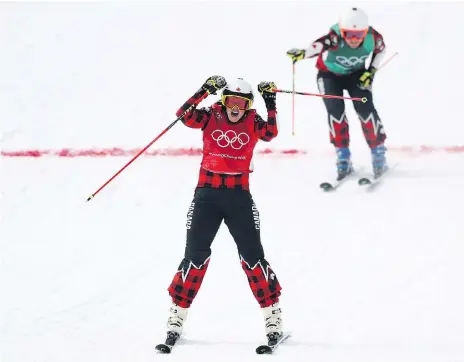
<point>175,324</point>
<point>273,323</point>
<point>177,317</point>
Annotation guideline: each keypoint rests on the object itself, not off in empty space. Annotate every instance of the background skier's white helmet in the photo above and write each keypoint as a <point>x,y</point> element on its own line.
<point>353,19</point>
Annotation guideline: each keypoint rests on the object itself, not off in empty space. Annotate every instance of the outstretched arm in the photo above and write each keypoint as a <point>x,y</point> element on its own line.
<point>329,41</point>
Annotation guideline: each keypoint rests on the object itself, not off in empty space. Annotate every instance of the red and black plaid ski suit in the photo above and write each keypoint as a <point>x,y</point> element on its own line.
<point>224,197</point>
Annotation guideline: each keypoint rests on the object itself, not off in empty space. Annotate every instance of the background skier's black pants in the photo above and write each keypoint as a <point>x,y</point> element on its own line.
<point>329,83</point>
<point>210,206</point>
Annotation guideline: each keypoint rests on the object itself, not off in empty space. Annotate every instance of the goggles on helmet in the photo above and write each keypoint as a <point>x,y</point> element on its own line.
<point>233,101</point>
<point>353,34</point>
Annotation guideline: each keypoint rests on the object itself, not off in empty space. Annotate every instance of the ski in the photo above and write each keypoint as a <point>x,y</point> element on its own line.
<point>370,182</point>
<point>167,346</point>
<point>270,348</point>
<point>333,185</point>
<point>164,348</point>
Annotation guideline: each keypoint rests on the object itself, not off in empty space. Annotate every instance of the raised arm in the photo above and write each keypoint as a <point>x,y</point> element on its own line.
<point>266,131</point>
<point>198,118</point>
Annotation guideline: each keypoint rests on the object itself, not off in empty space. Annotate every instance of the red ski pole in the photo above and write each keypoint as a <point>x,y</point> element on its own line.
<point>147,146</point>
<point>293,101</point>
<point>387,61</point>
<point>363,99</point>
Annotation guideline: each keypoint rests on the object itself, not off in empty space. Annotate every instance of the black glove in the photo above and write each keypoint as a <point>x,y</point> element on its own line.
<point>213,84</point>
<point>266,89</point>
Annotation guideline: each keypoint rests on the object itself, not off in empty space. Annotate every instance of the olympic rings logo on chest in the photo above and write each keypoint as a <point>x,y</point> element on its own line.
<point>352,61</point>
<point>230,138</point>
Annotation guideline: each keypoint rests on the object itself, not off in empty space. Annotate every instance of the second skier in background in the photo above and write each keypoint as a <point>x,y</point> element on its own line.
<point>341,56</point>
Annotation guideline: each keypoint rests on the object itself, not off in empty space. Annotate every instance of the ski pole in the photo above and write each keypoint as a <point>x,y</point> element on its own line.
<point>363,99</point>
<point>387,61</point>
<point>293,101</point>
<point>147,146</point>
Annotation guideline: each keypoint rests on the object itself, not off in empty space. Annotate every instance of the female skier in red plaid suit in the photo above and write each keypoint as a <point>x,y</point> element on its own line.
<point>231,130</point>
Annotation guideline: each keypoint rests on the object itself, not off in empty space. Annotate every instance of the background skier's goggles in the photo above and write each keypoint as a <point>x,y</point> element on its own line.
<point>236,101</point>
<point>356,34</point>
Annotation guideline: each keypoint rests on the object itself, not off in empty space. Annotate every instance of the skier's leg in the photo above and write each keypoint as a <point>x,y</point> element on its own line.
<point>331,84</point>
<point>203,222</point>
<point>242,219</point>
<point>372,126</point>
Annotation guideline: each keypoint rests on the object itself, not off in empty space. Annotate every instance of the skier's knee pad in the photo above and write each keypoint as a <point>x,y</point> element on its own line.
<point>187,282</point>
<point>263,282</point>
<point>339,130</point>
<point>373,129</point>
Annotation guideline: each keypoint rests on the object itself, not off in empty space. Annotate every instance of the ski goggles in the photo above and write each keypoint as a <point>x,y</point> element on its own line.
<point>241,103</point>
<point>354,34</point>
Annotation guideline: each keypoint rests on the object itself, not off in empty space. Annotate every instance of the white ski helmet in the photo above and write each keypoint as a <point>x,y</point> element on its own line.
<point>353,19</point>
<point>240,88</point>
